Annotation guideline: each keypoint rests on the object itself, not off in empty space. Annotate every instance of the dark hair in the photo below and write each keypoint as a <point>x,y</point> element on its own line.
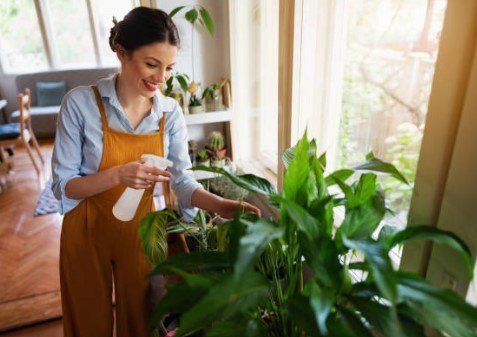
<point>142,26</point>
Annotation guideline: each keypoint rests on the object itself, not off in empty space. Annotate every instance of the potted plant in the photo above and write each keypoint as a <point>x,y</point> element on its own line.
<point>256,284</point>
<point>194,14</point>
<point>213,97</point>
<point>176,87</point>
<point>195,103</point>
<point>216,149</point>
<point>203,158</point>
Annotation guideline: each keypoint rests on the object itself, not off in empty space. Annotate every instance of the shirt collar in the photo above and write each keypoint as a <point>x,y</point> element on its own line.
<point>107,89</point>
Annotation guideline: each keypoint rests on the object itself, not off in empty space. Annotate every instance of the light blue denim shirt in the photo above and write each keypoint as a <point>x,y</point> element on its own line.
<point>79,140</point>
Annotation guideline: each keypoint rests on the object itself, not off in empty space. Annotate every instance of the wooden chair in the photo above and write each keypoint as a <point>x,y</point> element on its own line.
<point>21,133</point>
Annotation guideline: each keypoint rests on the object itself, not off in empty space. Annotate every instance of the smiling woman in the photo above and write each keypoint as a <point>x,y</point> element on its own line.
<point>103,130</point>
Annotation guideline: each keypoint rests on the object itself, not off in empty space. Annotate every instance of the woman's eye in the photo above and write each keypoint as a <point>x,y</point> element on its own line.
<point>169,69</point>
<point>150,65</point>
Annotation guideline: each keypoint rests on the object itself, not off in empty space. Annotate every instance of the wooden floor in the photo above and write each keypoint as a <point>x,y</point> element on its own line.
<point>29,250</point>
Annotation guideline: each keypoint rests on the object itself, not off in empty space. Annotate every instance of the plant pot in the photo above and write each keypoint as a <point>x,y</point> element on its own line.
<point>222,153</point>
<point>204,163</point>
<point>196,109</point>
<point>218,163</point>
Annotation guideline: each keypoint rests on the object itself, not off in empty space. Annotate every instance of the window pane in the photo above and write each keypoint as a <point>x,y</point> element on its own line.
<point>72,33</point>
<point>105,10</point>
<point>21,46</point>
<point>390,54</point>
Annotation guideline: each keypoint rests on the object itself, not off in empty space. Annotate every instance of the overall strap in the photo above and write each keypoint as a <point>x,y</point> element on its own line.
<point>99,102</point>
<point>162,123</point>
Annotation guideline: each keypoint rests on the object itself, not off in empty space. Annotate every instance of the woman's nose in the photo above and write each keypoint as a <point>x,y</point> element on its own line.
<point>160,76</point>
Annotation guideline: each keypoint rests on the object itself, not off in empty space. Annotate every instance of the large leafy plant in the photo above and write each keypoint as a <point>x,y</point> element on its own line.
<point>291,276</point>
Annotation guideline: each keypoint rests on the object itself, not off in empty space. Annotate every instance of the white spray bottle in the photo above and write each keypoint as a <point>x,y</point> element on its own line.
<point>125,208</point>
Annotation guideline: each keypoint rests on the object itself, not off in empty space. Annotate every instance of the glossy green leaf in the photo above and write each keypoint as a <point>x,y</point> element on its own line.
<point>192,15</point>
<point>380,265</point>
<point>297,173</point>
<point>207,21</point>
<point>442,309</point>
<point>208,260</point>
<point>339,175</point>
<point>224,300</point>
<point>377,165</point>
<point>387,320</point>
<point>436,235</point>
<point>353,323</point>
<point>176,10</point>
<point>182,82</point>
<point>250,182</point>
<point>257,236</point>
<point>321,302</point>
<point>304,220</point>
<point>153,236</point>
<point>180,297</point>
<point>302,315</point>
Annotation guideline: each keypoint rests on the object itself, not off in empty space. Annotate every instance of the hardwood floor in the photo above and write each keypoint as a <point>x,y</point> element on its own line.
<point>29,247</point>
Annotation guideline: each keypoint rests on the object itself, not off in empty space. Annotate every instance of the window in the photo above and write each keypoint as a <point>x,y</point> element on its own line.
<point>105,11</point>
<point>254,63</point>
<point>365,70</point>
<point>71,33</point>
<point>21,45</point>
<point>52,34</point>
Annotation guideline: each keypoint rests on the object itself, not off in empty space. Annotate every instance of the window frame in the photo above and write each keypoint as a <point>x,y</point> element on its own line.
<point>49,41</point>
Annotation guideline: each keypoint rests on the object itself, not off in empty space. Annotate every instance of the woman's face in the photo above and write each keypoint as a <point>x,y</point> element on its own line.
<point>147,67</point>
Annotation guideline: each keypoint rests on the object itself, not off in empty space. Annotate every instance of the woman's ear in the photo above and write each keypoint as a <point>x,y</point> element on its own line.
<point>121,53</point>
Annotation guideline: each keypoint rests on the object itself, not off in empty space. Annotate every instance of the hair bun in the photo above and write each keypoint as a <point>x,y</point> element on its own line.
<point>113,34</point>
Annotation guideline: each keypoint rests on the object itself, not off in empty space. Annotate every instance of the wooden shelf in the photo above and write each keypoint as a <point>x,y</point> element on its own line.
<point>208,117</point>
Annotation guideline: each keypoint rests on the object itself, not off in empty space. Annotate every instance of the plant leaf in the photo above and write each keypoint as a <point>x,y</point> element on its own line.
<point>354,326</point>
<point>224,300</point>
<point>250,182</point>
<point>321,302</point>
<point>257,236</point>
<point>339,175</point>
<point>386,319</point>
<point>207,20</point>
<point>302,315</point>
<point>153,235</point>
<point>182,82</point>
<point>435,235</point>
<point>208,260</point>
<point>176,10</point>
<point>377,165</point>
<point>191,15</point>
<point>442,309</point>
<point>380,265</point>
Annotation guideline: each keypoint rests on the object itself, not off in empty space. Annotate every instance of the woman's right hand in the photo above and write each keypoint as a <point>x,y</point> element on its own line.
<point>139,176</point>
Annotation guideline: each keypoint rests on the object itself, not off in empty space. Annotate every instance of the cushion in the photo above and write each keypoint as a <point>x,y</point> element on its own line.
<point>9,131</point>
<point>50,93</point>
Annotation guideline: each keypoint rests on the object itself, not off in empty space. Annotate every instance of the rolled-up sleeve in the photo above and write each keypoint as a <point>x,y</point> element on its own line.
<point>183,181</point>
<point>66,158</point>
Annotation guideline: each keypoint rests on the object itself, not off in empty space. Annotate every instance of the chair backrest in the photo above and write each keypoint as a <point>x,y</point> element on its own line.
<point>24,109</point>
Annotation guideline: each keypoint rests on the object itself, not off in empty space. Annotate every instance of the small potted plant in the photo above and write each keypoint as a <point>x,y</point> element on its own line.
<point>195,103</point>
<point>216,149</point>
<point>212,97</point>
<point>176,87</point>
<point>203,158</point>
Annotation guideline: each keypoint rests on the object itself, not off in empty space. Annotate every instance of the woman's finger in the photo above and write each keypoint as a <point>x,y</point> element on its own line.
<point>156,171</point>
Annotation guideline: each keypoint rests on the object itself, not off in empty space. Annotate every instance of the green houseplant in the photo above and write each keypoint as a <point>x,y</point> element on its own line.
<point>216,148</point>
<point>213,97</point>
<point>291,276</point>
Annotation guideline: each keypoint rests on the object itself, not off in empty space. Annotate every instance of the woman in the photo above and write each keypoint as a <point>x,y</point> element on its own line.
<point>102,132</point>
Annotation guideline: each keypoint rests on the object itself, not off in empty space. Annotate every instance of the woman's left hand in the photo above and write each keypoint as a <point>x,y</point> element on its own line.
<point>227,208</point>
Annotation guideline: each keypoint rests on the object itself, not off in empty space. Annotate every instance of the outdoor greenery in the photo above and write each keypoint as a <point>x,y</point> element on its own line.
<point>291,276</point>
<point>391,50</point>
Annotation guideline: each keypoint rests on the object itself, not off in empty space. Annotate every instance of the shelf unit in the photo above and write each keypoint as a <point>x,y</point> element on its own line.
<point>208,117</point>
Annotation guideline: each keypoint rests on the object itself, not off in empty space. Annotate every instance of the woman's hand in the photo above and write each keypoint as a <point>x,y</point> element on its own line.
<point>227,208</point>
<point>139,176</point>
